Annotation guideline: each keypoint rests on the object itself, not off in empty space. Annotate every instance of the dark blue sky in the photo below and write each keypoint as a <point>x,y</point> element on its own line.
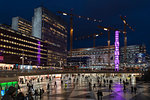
<point>137,12</point>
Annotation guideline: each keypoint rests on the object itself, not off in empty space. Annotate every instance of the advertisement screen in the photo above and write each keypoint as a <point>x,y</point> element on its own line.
<point>2,92</point>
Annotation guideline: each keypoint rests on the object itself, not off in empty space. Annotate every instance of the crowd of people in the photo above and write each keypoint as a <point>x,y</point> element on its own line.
<point>104,81</point>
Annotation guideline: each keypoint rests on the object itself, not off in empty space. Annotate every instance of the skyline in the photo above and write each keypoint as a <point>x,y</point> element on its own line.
<point>109,12</point>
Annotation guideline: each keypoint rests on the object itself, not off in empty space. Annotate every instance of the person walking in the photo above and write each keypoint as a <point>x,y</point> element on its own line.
<point>100,84</point>
<point>35,93</point>
<point>98,94</point>
<point>48,86</point>
<point>55,84</point>
<point>20,96</point>
<point>120,80</point>
<point>104,82</point>
<point>135,89</point>
<point>94,86</point>
<point>131,89</point>
<point>101,94</point>
<point>110,88</point>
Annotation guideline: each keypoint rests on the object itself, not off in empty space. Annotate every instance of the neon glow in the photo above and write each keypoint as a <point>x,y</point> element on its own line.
<point>117,50</point>
<point>39,53</point>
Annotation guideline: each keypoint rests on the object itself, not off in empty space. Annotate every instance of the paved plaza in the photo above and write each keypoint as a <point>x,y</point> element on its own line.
<point>77,88</point>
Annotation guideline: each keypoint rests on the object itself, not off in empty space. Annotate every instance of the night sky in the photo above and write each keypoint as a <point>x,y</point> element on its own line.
<point>137,12</point>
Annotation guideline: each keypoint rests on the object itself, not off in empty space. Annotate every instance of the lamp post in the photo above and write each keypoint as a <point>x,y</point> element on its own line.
<point>60,62</point>
<point>23,59</point>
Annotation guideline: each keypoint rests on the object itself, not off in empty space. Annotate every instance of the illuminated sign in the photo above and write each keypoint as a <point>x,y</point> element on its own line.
<point>1,57</point>
<point>117,50</point>
<point>39,53</point>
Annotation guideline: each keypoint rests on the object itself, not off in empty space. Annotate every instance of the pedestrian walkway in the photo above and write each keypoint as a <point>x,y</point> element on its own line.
<point>79,90</point>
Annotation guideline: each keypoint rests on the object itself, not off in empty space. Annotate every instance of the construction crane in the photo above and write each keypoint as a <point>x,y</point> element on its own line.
<point>71,25</point>
<point>125,36</point>
<point>94,35</point>
<point>108,29</point>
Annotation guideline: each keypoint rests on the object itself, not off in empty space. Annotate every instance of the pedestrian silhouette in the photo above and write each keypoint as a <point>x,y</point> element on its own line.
<point>131,89</point>
<point>135,89</point>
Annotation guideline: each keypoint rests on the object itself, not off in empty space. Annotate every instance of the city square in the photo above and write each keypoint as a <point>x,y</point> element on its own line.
<point>70,50</point>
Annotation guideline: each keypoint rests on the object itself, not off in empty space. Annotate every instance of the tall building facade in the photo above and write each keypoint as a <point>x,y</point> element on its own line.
<point>136,56</point>
<point>15,47</point>
<point>21,25</point>
<point>98,56</point>
<point>50,28</point>
<point>133,52</point>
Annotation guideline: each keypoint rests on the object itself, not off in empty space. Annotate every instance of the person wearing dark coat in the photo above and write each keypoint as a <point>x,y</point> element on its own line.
<point>20,96</point>
<point>10,94</point>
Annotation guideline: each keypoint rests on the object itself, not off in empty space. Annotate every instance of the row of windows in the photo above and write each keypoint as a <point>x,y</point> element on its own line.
<point>52,43</point>
<point>55,31</point>
<point>12,42</point>
<point>9,47</point>
<point>21,54</point>
<point>19,39</point>
<point>24,23</point>
<point>59,27</point>
<point>10,30</point>
<point>47,19</point>
<point>25,26</point>
<point>91,53</point>
<point>24,29</point>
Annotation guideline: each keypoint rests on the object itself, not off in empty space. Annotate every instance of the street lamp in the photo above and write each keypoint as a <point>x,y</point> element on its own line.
<point>60,62</point>
<point>23,58</point>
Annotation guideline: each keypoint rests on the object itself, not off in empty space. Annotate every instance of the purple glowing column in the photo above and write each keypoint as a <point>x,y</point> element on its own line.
<point>39,53</point>
<point>117,50</point>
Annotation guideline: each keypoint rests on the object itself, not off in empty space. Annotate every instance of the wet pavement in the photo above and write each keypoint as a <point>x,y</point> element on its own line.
<point>78,89</point>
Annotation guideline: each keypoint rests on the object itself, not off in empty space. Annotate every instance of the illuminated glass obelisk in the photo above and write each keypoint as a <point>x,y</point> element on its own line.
<point>39,53</point>
<point>117,50</point>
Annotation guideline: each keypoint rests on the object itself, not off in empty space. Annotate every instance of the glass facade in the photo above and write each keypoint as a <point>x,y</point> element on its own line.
<point>15,45</point>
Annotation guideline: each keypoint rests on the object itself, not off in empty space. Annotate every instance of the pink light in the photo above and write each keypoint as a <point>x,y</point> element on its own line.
<point>117,50</point>
<point>39,52</point>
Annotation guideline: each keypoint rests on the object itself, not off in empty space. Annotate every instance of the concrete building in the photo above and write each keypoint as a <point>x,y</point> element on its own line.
<point>21,25</point>
<point>50,28</point>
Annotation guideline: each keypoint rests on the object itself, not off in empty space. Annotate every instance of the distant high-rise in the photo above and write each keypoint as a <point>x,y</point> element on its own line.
<point>22,25</point>
<point>49,27</point>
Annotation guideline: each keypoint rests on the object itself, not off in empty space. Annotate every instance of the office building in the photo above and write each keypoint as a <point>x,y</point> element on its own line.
<point>98,56</point>
<point>21,25</point>
<point>133,52</point>
<point>135,57</point>
<point>50,28</point>
<point>18,48</point>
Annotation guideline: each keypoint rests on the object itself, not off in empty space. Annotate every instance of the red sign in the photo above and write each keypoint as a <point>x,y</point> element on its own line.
<point>1,57</point>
